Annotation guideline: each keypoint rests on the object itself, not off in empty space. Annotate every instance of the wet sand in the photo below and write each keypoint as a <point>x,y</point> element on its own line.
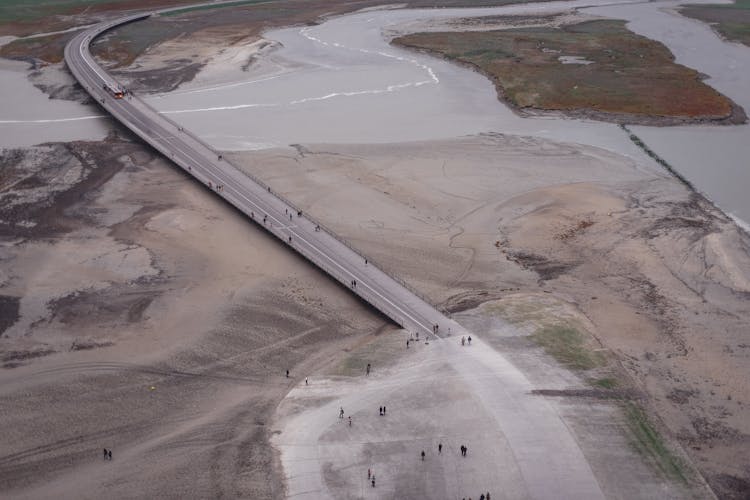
<point>473,220</point>
<point>152,320</point>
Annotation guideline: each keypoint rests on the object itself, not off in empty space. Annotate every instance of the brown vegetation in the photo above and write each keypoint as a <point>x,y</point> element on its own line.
<point>616,74</point>
<point>732,21</point>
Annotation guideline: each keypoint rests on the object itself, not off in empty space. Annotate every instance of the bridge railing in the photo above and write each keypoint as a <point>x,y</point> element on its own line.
<point>371,298</point>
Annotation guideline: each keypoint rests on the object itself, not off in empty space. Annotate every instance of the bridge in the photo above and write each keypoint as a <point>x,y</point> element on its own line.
<point>259,202</point>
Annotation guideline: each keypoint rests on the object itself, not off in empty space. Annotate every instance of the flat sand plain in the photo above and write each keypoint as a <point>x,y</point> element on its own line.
<point>147,317</point>
<point>155,321</point>
<point>536,232</point>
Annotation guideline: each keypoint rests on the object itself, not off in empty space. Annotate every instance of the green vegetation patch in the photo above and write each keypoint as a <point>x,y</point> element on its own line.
<point>382,350</point>
<point>732,21</point>
<point>605,383</point>
<point>554,326</point>
<point>647,440</point>
<point>597,67</point>
<point>568,346</point>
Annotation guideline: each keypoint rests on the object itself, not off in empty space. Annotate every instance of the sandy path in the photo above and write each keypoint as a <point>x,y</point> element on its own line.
<point>520,445</point>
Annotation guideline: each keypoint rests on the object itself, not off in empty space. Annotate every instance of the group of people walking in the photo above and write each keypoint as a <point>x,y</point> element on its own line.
<point>482,496</point>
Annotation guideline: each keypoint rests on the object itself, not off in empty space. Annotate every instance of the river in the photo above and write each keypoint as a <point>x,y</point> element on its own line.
<point>341,82</point>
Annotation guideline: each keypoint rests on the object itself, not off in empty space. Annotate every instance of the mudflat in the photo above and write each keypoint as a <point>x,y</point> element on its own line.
<point>142,315</point>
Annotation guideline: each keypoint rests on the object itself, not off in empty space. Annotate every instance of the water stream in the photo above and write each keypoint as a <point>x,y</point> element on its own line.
<point>341,82</point>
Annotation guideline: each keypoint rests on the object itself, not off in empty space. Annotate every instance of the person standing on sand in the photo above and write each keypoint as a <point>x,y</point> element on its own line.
<point>350,420</point>
<point>369,474</point>
<point>368,369</point>
<point>341,412</point>
<point>109,454</point>
<point>373,480</point>
<point>105,453</point>
<point>384,410</point>
<point>422,455</point>
<point>381,410</point>
<point>440,448</point>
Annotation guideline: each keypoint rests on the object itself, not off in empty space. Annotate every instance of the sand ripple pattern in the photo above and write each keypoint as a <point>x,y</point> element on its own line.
<point>306,33</point>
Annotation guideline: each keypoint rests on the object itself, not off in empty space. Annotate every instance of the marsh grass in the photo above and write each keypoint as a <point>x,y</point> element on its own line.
<point>649,443</point>
<point>568,346</point>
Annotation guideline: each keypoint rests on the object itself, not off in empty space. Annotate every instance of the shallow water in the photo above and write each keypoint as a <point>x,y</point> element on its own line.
<point>28,116</point>
<point>341,82</point>
<point>715,158</point>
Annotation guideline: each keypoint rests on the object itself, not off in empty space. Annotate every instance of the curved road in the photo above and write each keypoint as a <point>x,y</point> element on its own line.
<point>544,449</point>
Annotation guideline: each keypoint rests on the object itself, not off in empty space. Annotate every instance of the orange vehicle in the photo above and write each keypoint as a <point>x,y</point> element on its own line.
<point>116,92</point>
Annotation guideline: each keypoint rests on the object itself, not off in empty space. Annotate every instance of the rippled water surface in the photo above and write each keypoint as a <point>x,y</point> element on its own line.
<point>28,116</point>
<point>341,81</point>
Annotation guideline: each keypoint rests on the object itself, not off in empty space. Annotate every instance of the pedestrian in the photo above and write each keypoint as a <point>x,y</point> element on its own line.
<point>350,420</point>
<point>290,239</point>
<point>365,261</point>
<point>109,455</point>
<point>305,380</point>
<point>422,455</point>
<point>465,449</point>
<point>368,368</point>
<point>487,496</point>
<point>369,474</point>
<point>463,340</point>
<point>469,339</point>
<point>440,448</point>
<point>290,216</point>
<point>341,412</point>
<point>407,343</point>
<point>287,374</point>
<point>381,410</point>
<point>481,497</point>
<point>373,481</point>
<point>105,453</point>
